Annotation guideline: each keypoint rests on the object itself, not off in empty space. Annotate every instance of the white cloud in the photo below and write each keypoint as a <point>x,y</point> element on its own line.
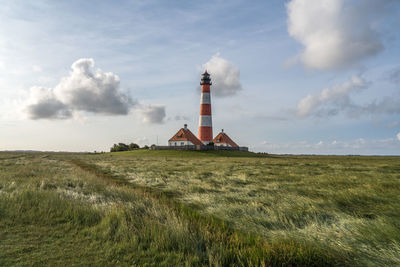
<point>97,92</point>
<point>336,33</point>
<point>152,113</point>
<point>82,90</point>
<point>85,90</point>
<point>43,104</point>
<point>224,75</point>
<point>336,98</point>
<point>398,136</point>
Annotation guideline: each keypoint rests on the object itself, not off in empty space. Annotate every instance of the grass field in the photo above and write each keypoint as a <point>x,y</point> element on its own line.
<point>198,208</point>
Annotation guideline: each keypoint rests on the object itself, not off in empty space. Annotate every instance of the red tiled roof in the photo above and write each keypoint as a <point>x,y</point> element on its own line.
<point>224,138</point>
<point>186,135</point>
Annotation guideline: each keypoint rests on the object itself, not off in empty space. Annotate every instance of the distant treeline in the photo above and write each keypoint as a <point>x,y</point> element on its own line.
<point>125,147</point>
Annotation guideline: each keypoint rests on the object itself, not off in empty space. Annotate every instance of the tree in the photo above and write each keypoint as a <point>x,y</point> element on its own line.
<point>114,148</point>
<point>123,147</point>
<point>133,146</point>
<point>119,147</point>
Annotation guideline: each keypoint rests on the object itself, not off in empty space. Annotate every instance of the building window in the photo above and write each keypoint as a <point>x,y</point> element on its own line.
<point>175,143</point>
<point>182,143</point>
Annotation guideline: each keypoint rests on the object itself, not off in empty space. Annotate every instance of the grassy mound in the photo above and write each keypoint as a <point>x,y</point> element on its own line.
<point>187,153</point>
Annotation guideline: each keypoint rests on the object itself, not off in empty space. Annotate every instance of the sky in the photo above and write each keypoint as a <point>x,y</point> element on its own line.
<point>295,76</point>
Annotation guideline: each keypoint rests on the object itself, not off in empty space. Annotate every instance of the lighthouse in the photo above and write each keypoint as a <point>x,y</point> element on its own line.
<point>184,139</point>
<point>205,120</point>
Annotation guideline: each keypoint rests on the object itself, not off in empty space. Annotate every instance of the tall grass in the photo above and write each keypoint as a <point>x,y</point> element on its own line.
<point>149,208</point>
<point>56,212</point>
<point>333,202</point>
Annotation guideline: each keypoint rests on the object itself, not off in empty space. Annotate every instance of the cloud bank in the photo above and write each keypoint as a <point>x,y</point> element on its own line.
<point>336,97</point>
<point>336,33</point>
<point>86,90</point>
<point>331,101</point>
<point>224,75</point>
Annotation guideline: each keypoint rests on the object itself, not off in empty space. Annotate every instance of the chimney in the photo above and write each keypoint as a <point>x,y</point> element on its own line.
<point>205,121</point>
<point>185,126</point>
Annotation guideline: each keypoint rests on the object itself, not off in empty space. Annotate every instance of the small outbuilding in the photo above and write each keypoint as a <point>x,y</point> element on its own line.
<point>222,139</point>
<point>184,137</point>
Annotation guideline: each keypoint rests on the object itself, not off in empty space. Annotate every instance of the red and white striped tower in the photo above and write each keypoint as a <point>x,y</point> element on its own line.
<point>205,120</point>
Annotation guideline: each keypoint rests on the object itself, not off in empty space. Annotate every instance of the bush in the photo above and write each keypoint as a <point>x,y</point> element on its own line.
<point>123,147</point>
<point>133,146</point>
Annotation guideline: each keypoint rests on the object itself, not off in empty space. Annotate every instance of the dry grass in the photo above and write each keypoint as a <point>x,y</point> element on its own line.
<point>344,203</point>
<point>187,208</point>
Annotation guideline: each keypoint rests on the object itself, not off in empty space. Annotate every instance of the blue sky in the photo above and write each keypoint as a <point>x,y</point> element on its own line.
<point>298,76</point>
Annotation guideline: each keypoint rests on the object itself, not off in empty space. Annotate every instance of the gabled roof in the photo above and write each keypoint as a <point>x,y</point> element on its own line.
<point>224,138</point>
<point>186,135</point>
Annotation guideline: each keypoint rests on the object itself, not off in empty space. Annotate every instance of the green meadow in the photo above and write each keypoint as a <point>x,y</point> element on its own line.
<point>190,208</point>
